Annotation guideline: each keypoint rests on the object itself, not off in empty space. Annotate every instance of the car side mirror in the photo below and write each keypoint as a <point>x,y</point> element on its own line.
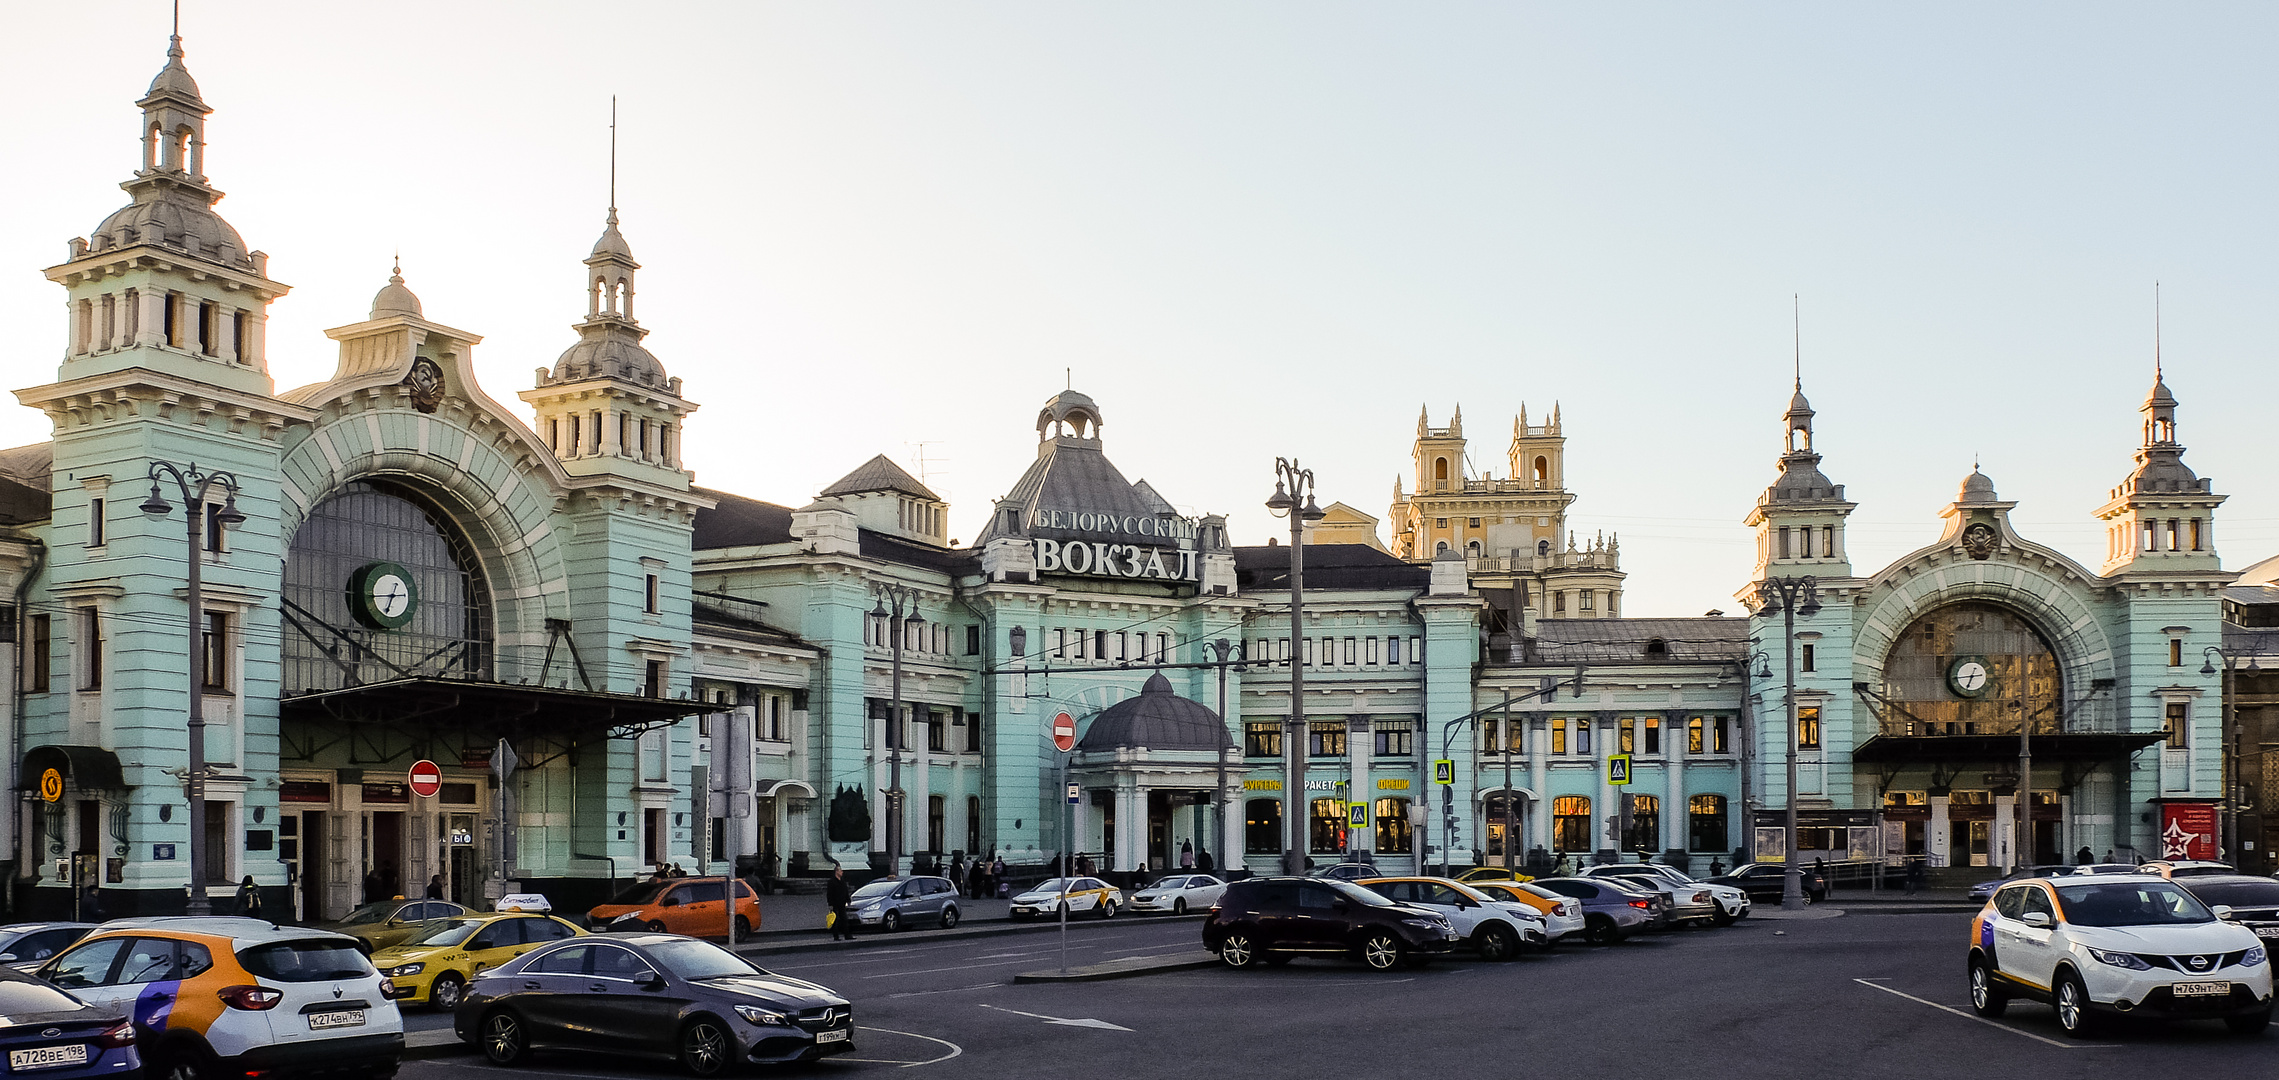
<point>671,901</point>
<point>2039,920</point>
<point>655,981</point>
<point>6,957</point>
<point>2222,911</point>
<point>1340,906</point>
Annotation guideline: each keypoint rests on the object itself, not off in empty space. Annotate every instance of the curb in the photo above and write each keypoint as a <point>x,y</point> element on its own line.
<point>1104,972</point>
<point>449,1046</point>
<point>875,938</point>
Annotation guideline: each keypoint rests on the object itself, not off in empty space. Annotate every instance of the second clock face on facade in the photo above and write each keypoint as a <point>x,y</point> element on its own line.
<point>382,595</point>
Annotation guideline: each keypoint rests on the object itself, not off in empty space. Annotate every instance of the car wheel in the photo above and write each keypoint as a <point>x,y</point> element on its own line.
<point>447,991</point>
<point>949,916</point>
<point>1724,919</point>
<point>743,928</point>
<point>656,926</point>
<point>185,1061</point>
<point>1179,906</point>
<point>1107,909</point>
<point>892,922</point>
<point>2072,1002</point>
<point>1238,950</point>
<point>1600,930</point>
<point>706,1049</point>
<point>1495,943</point>
<point>505,1042</point>
<point>1381,951</point>
<point>2250,1024</point>
<point>1986,999</point>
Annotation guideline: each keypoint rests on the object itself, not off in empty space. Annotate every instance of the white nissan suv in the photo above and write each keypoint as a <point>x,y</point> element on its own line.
<point>2133,944</point>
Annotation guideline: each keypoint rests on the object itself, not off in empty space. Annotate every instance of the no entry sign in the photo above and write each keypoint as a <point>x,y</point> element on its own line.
<point>1064,733</point>
<point>425,778</point>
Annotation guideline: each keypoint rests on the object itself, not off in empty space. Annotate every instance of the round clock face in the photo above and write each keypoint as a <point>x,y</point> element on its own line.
<point>382,595</point>
<point>1968,676</point>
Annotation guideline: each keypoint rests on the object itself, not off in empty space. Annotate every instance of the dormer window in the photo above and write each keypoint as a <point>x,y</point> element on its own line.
<point>1657,649</point>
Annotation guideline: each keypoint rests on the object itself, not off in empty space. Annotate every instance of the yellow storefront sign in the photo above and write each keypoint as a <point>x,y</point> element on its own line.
<point>1392,785</point>
<point>1262,785</point>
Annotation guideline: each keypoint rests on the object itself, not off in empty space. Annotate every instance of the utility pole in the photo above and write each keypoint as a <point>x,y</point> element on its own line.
<point>1294,498</point>
<point>1790,595</point>
<point>902,616</point>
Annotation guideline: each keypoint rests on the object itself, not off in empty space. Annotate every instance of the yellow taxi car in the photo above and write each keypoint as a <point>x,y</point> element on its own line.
<point>382,923</point>
<point>1082,895</point>
<point>1492,873</point>
<point>433,968</point>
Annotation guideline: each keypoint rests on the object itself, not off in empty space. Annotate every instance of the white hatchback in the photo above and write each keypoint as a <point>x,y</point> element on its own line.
<point>2136,945</point>
<point>1179,893</point>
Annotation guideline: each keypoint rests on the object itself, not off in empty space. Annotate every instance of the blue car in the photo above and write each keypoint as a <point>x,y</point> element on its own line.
<point>1984,889</point>
<point>49,1033</point>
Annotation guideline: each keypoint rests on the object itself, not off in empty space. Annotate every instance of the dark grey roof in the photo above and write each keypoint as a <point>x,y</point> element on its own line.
<point>2250,640</point>
<point>1070,474</point>
<point>1605,641</point>
<point>2252,595</point>
<point>1158,720</point>
<point>32,466</point>
<point>736,521</point>
<point>1328,566</point>
<point>894,549</point>
<point>879,474</point>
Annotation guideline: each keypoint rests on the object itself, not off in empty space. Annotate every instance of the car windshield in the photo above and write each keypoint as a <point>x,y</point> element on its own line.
<point>372,912</point>
<point>2130,903</point>
<point>695,960</point>
<point>1541,891</point>
<point>877,888</point>
<point>1470,893</point>
<point>448,932</point>
<point>1175,881</point>
<point>1053,885</point>
<point>640,894</point>
<point>2201,870</point>
<point>2238,893</point>
<point>1359,894</point>
<point>305,961</point>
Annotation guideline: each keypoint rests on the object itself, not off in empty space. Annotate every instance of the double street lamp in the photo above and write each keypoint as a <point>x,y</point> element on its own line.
<point>897,607</point>
<point>1791,596</point>
<point>1294,499</point>
<point>2234,784</point>
<point>195,487</point>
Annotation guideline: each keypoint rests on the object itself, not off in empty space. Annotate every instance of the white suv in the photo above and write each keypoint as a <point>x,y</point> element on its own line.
<point>216,997</point>
<point>2131,944</point>
<point>1497,929</point>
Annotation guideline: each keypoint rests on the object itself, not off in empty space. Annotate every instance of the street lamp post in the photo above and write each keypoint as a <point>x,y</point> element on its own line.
<point>902,615</point>
<point>1294,498</point>
<point>1222,648</point>
<point>2233,785</point>
<point>195,485</point>
<point>1790,596</point>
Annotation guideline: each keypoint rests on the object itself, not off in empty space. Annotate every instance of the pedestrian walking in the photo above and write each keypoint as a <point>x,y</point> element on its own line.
<point>997,875</point>
<point>1186,855</point>
<point>434,887</point>
<point>1915,875</point>
<point>2084,856</point>
<point>1562,868</point>
<point>1204,862</point>
<point>841,898</point>
<point>91,903</point>
<point>249,898</point>
<point>1816,881</point>
<point>957,872</point>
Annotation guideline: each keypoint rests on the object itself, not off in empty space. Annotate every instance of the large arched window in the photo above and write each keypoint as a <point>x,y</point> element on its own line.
<point>1325,827</point>
<point>360,535</point>
<point>1571,823</point>
<point>1707,814</point>
<point>1492,815</point>
<point>1393,827</point>
<point>1970,669</point>
<point>1645,824</point>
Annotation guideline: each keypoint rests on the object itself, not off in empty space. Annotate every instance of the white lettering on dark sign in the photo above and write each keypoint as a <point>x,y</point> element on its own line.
<point>1098,559</point>
<point>1153,526</point>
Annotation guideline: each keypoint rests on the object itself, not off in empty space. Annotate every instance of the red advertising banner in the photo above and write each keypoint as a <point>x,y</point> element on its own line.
<point>2187,830</point>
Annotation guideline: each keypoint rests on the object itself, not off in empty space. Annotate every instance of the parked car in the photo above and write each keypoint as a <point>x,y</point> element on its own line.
<point>2179,868</point>
<point>1984,889</point>
<point>1496,929</point>
<point>1732,903</point>
<point>893,903</point>
<point>46,1030</point>
<point>1177,893</point>
<point>696,907</point>
<point>246,997</point>
<point>1562,915</point>
<point>1690,903</point>
<point>434,968</point>
<point>1348,871</point>
<point>382,923</point>
<point>24,946</point>
<point>655,996</point>
<point>1762,881</point>
<point>1082,895</point>
<point>2105,944</point>
<point>1492,873</point>
<point>1612,910</point>
<point>1275,919</point>
<point>2254,901</point>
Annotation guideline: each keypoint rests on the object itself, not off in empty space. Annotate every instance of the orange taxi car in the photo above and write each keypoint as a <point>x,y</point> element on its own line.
<point>697,907</point>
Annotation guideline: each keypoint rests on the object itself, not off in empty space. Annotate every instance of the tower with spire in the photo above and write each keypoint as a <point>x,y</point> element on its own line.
<point>2161,519</point>
<point>1800,518</point>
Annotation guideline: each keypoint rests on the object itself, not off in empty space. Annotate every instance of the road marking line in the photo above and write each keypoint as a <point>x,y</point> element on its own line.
<point>1987,1022</point>
<point>955,1049</point>
<point>951,990</point>
<point>930,971</point>
<point>1086,1022</point>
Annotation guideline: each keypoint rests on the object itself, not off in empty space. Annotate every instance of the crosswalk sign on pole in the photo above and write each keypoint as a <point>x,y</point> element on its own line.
<point>1444,771</point>
<point>1617,770</point>
<point>1359,815</point>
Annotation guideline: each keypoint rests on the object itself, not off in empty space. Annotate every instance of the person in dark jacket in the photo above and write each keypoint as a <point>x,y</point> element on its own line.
<point>842,899</point>
<point>249,898</point>
<point>434,887</point>
<point>1203,861</point>
<point>1816,881</point>
<point>91,903</point>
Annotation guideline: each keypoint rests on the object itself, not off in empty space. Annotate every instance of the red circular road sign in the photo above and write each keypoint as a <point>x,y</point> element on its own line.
<point>426,779</point>
<point>1064,733</point>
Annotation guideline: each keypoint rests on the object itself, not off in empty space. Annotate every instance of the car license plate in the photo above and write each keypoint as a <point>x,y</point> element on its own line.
<point>48,1057</point>
<point>339,1018</point>
<point>840,1035</point>
<point>2267,931</point>
<point>2201,989</point>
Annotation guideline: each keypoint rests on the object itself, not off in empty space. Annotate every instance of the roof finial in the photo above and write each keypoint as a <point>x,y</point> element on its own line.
<point>2156,331</point>
<point>1068,378</point>
<point>1796,316</point>
<point>612,158</point>
<point>175,50</point>
<point>397,275</point>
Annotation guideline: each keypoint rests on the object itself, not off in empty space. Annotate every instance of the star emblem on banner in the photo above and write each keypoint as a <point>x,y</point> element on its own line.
<point>2175,843</point>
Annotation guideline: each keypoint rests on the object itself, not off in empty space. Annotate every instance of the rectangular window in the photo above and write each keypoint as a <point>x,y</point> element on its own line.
<point>2179,725</point>
<point>937,731</point>
<point>1558,734</point>
<point>1582,736</point>
<point>1828,541</point>
<point>972,733</point>
<point>95,523</point>
<point>577,433</point>
<point>1326,738</point>
<point>1351,656</point>
<point>1392,650</point>
<point>90,649</point>
<point>1584,599</point>
<point>1079,638</point>
<point>1060,644</point>
<point>1163,648</point>
<point>42,648</point>
<point>1808,728</point>
<point>1099,644</point>
<point>1807,658</point>
<point>2196,534</point>
<point>2175,652</point>
<point>214,528</point>
<point>973,640</point>
<point>1440,523</point>
<point>1282,650</point>
<point>624,432</point>
<point>214,652</point>
<point>1693,736</point>
<point>1488,734</point>
<point>1559,602</point>
<point>1123,644</point>
<point>1627,742</point>
<point>554,434</point>
<point>1718,733</point>
<point>1262,738</point>
<point>1653,734</point>
<point>1416,655</point>
<point>1395,738</point>
<point>1309,646</point>
<point>654,684</point>
<point>649,596</point>
<point>1473,522</point>
<point>1784,542</point>
<point>1370,657</point>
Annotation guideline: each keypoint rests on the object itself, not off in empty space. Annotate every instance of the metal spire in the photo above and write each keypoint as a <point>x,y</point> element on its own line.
<point>176,49</point>
<point>612,156</point>
<point>2156,373</point>
<point>1796,316</point>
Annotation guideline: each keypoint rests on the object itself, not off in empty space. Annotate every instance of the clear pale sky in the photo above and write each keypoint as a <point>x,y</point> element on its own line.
<point>1260,229</point>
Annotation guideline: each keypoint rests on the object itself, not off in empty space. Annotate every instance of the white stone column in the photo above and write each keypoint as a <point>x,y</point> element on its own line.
<point>1998,842</point>
<point>1358,747</point>
<point>1937,834</point>
<point>1538,780</point>
<point>1677,820</point>
<point>1609,804</point>
<point>225,333</point>
<point>1131,824</point>
<point>82,333</point>
<point>150,319</point>
<point>1229,853</point>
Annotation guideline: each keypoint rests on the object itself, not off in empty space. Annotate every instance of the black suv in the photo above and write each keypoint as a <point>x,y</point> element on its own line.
<point>1274,919</point>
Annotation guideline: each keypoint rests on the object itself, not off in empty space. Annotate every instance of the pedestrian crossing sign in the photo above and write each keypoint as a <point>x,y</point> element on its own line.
<point>1358,815</point>
<point>1617,770</point>
<point>1444,771</point>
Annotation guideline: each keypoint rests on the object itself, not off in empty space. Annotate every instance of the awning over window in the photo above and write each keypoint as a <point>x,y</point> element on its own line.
<point>491,711</point>
<point>88,768</point>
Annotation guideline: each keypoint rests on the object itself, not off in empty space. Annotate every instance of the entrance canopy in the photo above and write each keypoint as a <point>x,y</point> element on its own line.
<point>474,712</point>
<point>88,768</point>
<point>2056,746</point>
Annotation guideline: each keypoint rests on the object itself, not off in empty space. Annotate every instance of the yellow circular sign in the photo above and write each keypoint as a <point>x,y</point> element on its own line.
<point>51,785</point>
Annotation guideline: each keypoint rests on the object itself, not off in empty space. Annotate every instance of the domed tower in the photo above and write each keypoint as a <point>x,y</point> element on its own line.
<point>2163,517</point>
<point>607,405</point>
<point>1800,517</point>
<point>164,283</point>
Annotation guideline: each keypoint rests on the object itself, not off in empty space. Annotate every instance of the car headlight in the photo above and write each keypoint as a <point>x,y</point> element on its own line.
<point>2253,957</point>
<point>1421,924</point>
<point>767,1017</point>
<point>407,969</point>
<point>630,916</point>
<point>2119,959</point>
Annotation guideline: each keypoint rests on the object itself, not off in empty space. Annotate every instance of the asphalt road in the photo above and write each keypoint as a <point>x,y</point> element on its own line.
<point>1859,996</point>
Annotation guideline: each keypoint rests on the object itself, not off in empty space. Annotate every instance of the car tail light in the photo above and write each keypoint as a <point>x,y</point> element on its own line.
<point>1701,898</point>
<point>251,998</point>
<point>121,1035</point>
<point>1642,904</point>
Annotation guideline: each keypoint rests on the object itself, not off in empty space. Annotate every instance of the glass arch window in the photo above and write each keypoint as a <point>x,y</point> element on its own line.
<point>448,630</point>
<point>1393,827</point>
<point>1645,824</point>
<point>1571,823</point>
<point>1708,822</point>
<point>1920,675</point>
